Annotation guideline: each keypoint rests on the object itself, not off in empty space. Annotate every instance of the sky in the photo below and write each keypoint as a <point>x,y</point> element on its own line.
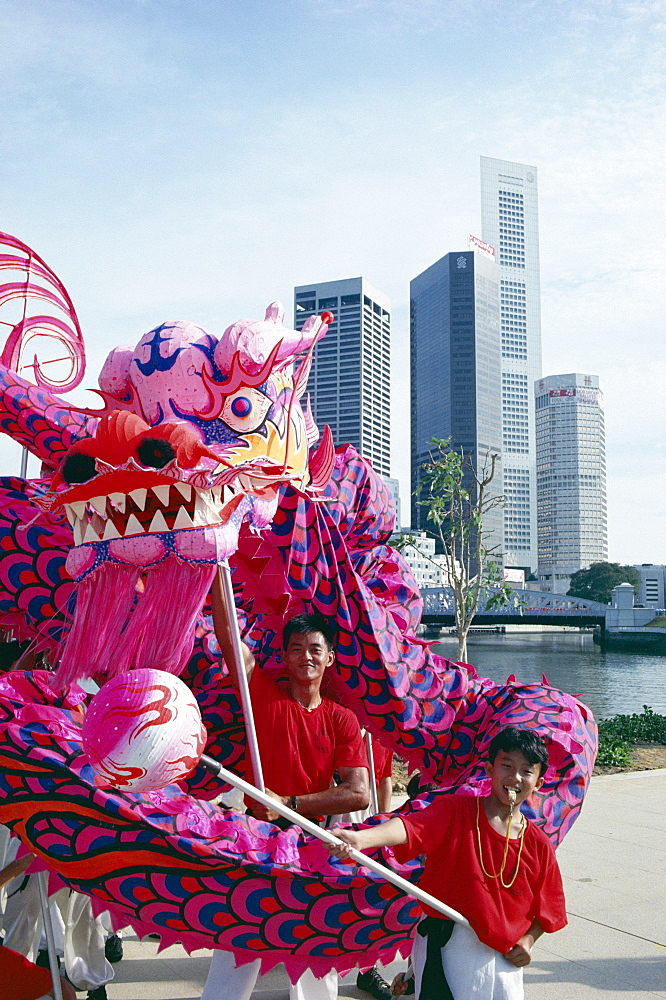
<point>196,159</point>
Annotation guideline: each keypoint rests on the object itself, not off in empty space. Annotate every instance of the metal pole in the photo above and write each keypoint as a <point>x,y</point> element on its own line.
<point>243,686</point>
<point>24,463</point>
<point>328,838</point>
<point>43,884</point>
<point>374,801</point>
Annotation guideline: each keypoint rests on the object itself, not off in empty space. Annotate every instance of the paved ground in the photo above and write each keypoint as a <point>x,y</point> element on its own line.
<point>614,867</point>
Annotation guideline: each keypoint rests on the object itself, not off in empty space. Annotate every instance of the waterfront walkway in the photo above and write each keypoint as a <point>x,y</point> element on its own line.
<point>614,868</point>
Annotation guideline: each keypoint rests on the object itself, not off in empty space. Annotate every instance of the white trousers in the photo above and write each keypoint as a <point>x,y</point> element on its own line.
<point>471,968</point>
<point>225,981</point>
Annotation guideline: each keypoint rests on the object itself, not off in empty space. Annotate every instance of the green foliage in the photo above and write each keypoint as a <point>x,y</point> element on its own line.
<point>456,497</point>
<point>597,582</point>
<point>613,753</point>
<point>646,727</point>
<point>619,734</point>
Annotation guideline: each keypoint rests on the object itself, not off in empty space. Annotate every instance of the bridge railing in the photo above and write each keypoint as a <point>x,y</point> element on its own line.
<point>441,600</point>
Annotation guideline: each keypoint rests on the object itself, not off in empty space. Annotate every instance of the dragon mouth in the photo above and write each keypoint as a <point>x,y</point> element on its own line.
<point>170,505</point>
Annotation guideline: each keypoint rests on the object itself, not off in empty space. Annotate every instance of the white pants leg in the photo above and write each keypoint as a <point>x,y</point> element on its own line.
<point>309,988</point>
<point>225,981</point>
<point>471,968</point>
<point>23,917</point>
<point>85,934</point>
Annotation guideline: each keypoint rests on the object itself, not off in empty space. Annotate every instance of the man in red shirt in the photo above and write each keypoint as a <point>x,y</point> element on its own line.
<point>489,863</point>
<point>304,738</point>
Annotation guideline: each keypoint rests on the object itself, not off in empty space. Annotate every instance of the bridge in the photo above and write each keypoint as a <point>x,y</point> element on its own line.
<point>526,607</point>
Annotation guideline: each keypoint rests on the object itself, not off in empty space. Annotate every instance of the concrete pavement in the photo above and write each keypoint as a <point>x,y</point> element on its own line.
<point>614,868</point>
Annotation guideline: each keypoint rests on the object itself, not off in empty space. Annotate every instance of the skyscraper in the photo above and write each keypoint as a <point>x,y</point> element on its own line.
<point>350,380</point>
<point>509,220</point>
<point>455,367</point>
<point>571,477</point>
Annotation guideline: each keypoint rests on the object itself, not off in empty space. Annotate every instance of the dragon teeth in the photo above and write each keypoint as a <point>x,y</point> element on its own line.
<point>139,498</point>
<point>99,504</point>
<point>184,489</point>
<point>90,519</point>
<point>90,535</point>
<point>162,494</point>
<point>110,531</point>
<point>119,501</point>
<point>158,523</point>
<point>183,520</point>
<point>201,510</point>
<point>133,527</point>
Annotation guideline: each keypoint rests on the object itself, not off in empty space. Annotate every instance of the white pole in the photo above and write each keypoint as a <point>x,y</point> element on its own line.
<point>42,883</point>
<point>24,463</point>
<point>243,686</point>
<point>328,838</point>
<point>374,801</point>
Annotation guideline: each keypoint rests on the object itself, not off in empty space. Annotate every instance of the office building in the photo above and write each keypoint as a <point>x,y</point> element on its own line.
<point>393,486</point>
<point>652,589</point>
<point>571,478</point>
<point>349,383</point>
<point>509,221</point>
<point>455,369</point>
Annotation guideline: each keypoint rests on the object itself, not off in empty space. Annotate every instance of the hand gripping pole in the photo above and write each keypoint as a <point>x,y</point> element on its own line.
<point>328,838</point>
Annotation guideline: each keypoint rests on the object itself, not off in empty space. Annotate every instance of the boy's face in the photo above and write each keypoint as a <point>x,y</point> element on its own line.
<point>511,769</point>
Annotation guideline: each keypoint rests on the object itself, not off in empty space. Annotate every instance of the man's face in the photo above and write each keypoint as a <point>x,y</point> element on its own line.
<point>307,655</point>
<point>511,769</point>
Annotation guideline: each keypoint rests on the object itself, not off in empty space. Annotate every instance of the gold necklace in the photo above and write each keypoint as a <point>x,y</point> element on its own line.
<point>305,707</point>
<point>500,873</point>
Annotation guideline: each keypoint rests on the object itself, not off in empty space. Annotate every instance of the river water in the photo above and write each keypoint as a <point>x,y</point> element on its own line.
<point>607,681</point>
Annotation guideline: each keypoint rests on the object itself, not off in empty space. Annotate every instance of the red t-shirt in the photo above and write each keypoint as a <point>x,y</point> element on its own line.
<point>383,761</point>
<point>20,979</point>
<point>300,750</point>
<point>446,833</point>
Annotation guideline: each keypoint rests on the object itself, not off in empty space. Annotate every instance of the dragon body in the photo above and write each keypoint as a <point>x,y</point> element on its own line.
<point>202,452</point>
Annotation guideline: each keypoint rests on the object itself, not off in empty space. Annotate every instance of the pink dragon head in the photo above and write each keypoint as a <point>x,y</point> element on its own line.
<point>197,436</point>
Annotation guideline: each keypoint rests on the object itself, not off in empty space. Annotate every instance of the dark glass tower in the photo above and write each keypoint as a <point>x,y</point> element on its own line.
<point>456,368</point>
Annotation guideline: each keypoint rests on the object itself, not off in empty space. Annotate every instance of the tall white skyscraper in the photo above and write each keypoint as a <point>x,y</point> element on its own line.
<point>510,223</point>
<point>350,381</point>
<point>571,477</point>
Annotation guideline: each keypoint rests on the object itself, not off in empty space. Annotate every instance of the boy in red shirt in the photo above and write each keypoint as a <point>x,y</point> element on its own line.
<point>485,859</point>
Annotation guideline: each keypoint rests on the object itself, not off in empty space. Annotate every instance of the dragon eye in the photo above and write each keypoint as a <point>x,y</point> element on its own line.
<point>241,406</point>
<point>78,468</point>
<point>246,410</point>
<point>155,453</point>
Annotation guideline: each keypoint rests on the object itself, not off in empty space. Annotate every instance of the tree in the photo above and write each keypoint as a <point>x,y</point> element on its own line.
<point>457,499</point>
<point>597,582</point>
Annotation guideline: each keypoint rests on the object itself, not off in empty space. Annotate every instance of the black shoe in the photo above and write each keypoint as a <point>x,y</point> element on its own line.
<point>113,949</point>
<point>374,984</point>
<point>98,994</point>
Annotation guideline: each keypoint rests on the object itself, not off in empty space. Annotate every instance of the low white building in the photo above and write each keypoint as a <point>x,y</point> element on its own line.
<point>652,589</point>
<point>429,567</point>
<point>423,560</point>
